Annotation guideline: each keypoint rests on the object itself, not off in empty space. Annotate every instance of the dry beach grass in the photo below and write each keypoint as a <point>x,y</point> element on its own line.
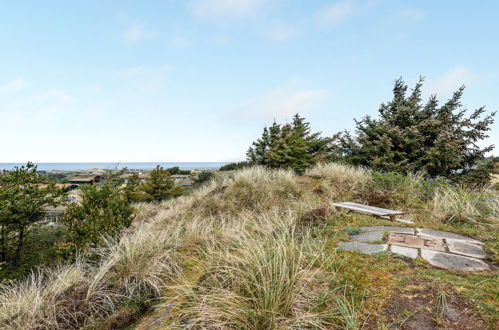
<point>241,252</point>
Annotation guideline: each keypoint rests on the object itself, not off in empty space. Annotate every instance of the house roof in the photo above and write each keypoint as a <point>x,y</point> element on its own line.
<point>85,178</point>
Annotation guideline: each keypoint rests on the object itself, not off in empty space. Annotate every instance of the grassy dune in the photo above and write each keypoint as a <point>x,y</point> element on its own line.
<point>255,249</point>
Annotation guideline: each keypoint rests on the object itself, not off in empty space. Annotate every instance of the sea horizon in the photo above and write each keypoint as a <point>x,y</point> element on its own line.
<point>85,166</point>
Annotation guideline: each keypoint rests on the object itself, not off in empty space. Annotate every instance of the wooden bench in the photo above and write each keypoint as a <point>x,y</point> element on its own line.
<point>371,210</point>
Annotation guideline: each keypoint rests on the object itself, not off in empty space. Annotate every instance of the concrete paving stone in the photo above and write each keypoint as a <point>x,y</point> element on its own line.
<point>416,242</point>
<point>362,247</point>
<point>467,249</point>
<point>445,234</point>
<point>369,236</point>
<point>453,261</point>
<point>405,251</point>
<point>391,229</point>
<point>474,242</point>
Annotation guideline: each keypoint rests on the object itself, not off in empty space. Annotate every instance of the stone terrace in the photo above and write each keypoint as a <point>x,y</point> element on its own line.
<point>439,248</point>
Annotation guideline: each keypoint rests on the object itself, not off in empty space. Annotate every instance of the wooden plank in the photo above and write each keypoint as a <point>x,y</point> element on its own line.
<point>358,209</point>
<point>378,209</point>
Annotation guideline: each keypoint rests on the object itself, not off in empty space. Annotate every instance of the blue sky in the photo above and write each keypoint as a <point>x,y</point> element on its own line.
<point>196,80</point>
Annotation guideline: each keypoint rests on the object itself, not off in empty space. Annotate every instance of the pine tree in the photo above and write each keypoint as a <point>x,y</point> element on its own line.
<point>290,146</point>
<point>103,211</point>
<point>24,194</point>
<point>157,187</point>
<point>411,136</point>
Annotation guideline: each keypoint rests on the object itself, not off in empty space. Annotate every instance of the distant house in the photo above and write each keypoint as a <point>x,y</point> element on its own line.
<point>53,215</point>
<point>182,180</point>
<point>181,177</point>
<point>56,214</point>
<point>84,179</point>
<point>142,177</point>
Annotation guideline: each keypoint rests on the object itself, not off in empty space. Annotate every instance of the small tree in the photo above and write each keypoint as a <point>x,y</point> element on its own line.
<point>176,170</point>
<point>410,135</point>
<point>24,194</point>
<point>157,187</point>
<point>234,166</point>
<point>204,176</point>
<point>103,211</point>
<point>290,146</point>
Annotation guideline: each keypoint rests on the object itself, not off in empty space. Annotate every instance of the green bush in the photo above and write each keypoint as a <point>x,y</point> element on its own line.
<point>204,176</point>
<point>103,211</point>
<point>234,166</point>
<point>393,189</point>
<point>158,186</point>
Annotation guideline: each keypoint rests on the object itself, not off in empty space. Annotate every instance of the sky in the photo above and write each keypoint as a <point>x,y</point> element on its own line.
<point>197,80</point>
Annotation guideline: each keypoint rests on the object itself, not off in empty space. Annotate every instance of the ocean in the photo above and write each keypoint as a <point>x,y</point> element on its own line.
<point>132,166</point>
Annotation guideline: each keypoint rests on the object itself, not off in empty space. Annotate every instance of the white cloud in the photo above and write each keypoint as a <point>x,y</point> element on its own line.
<point>137,32</point>
<point>280,31</point>
<point>282,103</point>
<point>14,85</point>
<point>451,80</point>
<point>411,14</point>
<point>39,108</point>
<point>54,95</point>
<point>334,13</point>
<point>52,103</point>
<point>146,80</point>
<point>225,8</point>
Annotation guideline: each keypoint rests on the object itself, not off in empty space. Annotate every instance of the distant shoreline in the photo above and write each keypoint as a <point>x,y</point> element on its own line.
<point>114,165</point>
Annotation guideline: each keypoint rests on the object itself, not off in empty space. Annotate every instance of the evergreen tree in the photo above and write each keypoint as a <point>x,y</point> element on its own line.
<point>157,187</point>
<point>410,135</point>
<point>289,146</point>
<point>24,194</point>
<point>234,166</point>
<point>103,211</point>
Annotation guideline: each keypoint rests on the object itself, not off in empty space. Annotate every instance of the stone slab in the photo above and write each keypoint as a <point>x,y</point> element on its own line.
<point>405,251</point>
<point>453,261</point>
<point>474,242</point>
<point>362,247</point>
<point>467,249</point>
<point>368,236</point>
<point>391,229</point>
<point>416,242</point>
<point>445,234</point>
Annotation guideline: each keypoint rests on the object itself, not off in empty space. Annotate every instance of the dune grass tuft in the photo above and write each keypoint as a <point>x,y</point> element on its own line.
<point>245,250</point>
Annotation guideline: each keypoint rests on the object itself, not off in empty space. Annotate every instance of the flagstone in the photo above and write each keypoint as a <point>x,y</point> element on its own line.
<point>467,249</point>
<point>416,242</point>
<point>444,234</point>
<point>453,261</point>
<point>369,236</point>
<point>362,247</point>
<point>405,251</point>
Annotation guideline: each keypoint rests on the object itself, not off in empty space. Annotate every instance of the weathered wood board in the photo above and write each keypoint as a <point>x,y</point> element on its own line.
<point>366,209</point>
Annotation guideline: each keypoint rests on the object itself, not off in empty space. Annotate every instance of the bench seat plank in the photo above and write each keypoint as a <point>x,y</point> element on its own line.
<point>378,209</point>
<point>359,209</point>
